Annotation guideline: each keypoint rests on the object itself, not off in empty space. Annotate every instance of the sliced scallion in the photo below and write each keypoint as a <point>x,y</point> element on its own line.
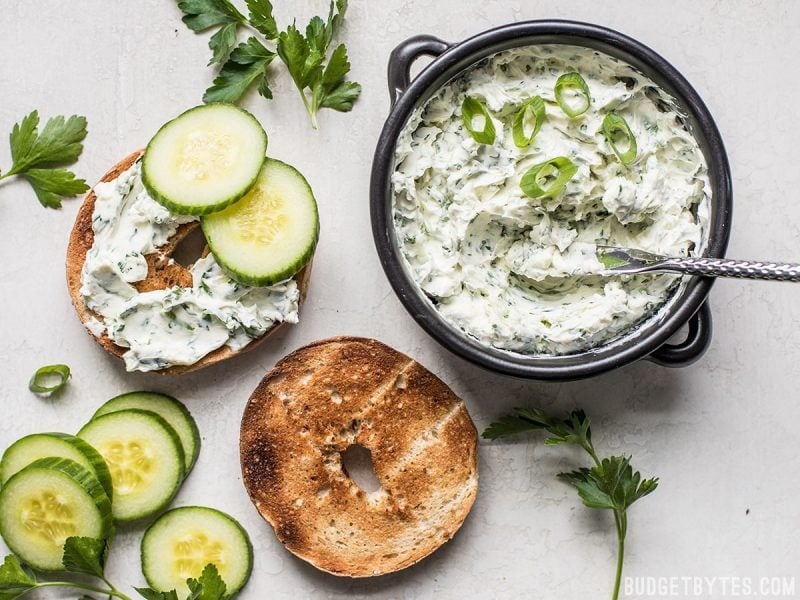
<point>57,374</point>
<point>524,131</point>
<point>620,138</point>
<point>548,178</point>
<point>477,120</point>
<point>572,94</point>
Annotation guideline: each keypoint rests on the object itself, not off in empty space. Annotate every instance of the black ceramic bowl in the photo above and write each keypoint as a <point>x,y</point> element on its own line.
<point>687,304</point>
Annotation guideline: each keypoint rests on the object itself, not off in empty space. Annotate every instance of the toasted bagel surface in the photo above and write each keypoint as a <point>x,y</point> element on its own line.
<point>161,274</point>
<point>327,396</point>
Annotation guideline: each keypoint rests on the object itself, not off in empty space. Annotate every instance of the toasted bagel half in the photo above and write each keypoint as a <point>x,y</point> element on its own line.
<point>333,394</point>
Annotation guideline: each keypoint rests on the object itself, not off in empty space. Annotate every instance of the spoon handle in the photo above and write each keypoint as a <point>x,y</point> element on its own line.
<point>726,267</point>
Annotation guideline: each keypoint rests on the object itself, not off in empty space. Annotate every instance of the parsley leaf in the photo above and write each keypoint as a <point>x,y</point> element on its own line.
<point>209,586</point>
<point>150,594</point>
<point>519,421</point>
<point>294,52</point>
<point>15,580</point>
<point>200,15</point>
<point>575,429</point>
<point>34,155</point>
<point>610,484</point>
<point>261,18</point>
<point>247,65</point>
<point>59,142</point>
<point>85,555</point>
<point>50,185</point>
<point>222,42</point>
<point>613,480</point>
<point>332,91</point>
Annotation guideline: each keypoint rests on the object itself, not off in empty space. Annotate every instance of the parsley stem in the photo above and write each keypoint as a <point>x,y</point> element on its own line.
<point>113,592</point>
<point>309,110</point>
<point>621,519</point>
<point>15,169</point>
<point>621,522</point>
<point>590,450</point>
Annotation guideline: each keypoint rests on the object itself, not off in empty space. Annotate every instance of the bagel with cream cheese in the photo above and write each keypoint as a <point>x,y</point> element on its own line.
<point>162,273</point>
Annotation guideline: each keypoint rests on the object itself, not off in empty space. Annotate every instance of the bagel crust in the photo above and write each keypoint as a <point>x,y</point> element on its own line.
<point>332,394</point>
<point>161,274</point>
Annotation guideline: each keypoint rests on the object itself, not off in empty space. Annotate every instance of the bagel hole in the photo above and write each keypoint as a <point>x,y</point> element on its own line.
<point>357,464</point>
<point>190,248</point>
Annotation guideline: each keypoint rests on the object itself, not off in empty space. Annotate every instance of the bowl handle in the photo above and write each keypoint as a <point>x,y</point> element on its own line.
<point>404,55</point>
<point>695,345</point>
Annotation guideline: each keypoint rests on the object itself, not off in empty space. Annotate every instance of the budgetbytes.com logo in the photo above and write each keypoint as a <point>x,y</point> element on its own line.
<point>711,587</point>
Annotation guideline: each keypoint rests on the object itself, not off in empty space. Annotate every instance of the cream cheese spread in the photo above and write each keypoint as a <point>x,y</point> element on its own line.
<point>518,273</point>
<point>178,325</point>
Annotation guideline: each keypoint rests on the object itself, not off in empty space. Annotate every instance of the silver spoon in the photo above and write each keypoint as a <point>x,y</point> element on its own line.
<point>626,261</point>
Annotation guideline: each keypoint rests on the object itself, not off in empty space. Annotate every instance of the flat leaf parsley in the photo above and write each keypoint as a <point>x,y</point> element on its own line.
<point>611,483</point>
<point>304,53</point>
<point>35,156</point>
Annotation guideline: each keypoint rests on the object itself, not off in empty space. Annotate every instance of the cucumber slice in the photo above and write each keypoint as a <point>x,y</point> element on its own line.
<point>42,445</point>
<point>204,159</point>
<point>271,233</point>
<point>47,502</point>
<point>169,409</point>
<point>145,457</point>
<point>184,540</point>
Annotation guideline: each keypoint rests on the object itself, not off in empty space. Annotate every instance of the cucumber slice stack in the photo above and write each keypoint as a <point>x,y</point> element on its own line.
<point>47,502</point>
<point>184,540</point>
<point>259,215</point>
<point>126,464</point>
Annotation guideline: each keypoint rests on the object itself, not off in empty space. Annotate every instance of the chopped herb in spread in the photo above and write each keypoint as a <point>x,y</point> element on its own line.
<point>178,325</point>
<point>519,272</point>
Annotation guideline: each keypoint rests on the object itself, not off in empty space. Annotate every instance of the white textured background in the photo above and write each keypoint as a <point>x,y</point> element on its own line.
<point>722,434</point>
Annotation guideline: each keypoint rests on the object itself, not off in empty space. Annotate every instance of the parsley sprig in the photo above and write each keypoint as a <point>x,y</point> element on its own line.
<point>87,556</point>
<point>304,53</point>
<point>611,483</point>
<point>35,156</point>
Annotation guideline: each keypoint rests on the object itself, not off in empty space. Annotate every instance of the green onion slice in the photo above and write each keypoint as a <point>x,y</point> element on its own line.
<point>548,178</point>
<point>471,112</point>
<point>45,375</point>
<point>572,94</point>
<point>532,109</point>
<point>620,138</point>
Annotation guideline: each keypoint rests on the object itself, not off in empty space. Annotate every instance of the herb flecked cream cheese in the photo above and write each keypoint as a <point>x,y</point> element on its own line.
<point>178,325</point>
<point>519,273</point>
